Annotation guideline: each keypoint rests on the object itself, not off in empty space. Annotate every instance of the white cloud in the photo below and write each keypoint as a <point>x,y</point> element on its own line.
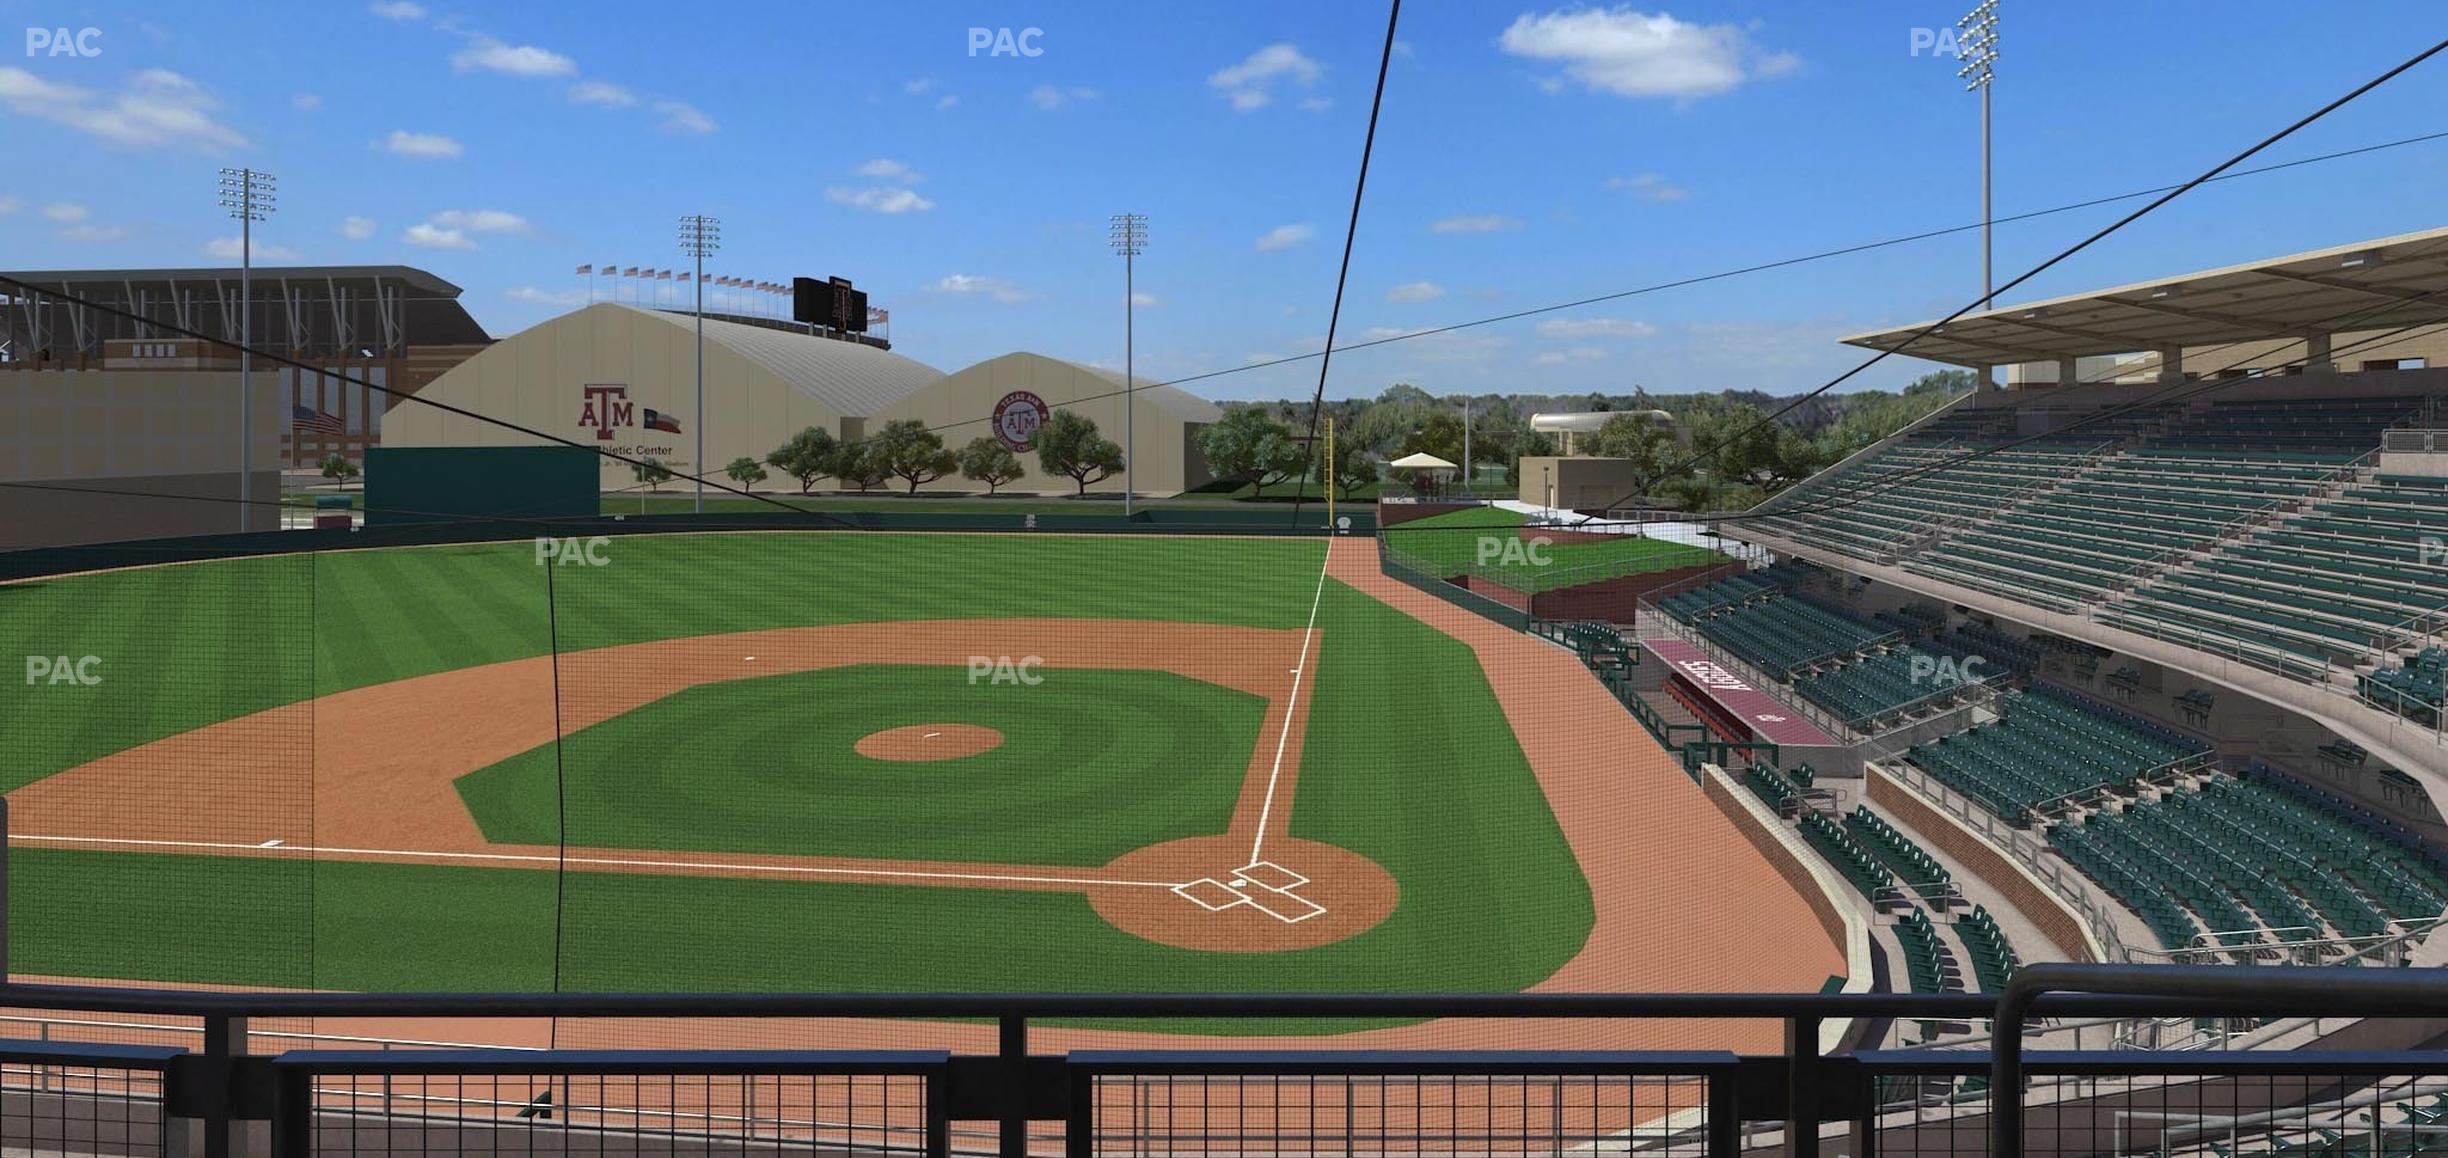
<point>397,10</point>
<point>1596,328</point>
<point>1576,354</point>
<point>887,169</point>
<point>10,205</point>
<point>1251,84</point>
<point>1049,98</point>
<point>1632,53</point>
<point>947,101</point>
<point>533,296</point>
<point>1648,187</point>
<point>450,228</point>
<point>425,145</point>
<point>480,221</point>
<point>306,102</point>
<point>485,54</point>
<point>919,86</point>
<point>1144,298</point>
<point>1415,291</point>
<point>434,237</point>
<point>604,93</point>
<point>154,107</point>
<point>228,249</point>
<point>879,198</point>
<point>65,212</point>
<point>357,228</point>
<point>1285,237</point>
<point>94,233</point>
<point>679,117</point>
<point>966,285</point>
<point>1474,223</point>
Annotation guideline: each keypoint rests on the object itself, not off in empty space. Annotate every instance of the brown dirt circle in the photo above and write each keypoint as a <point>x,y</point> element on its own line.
<point>919,742</point>
<point>1252,900</point>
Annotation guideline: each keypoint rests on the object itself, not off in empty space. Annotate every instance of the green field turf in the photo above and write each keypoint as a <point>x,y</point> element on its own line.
<point>1407,760</point>
<point>1450,544</point>
<point>1093,764</point>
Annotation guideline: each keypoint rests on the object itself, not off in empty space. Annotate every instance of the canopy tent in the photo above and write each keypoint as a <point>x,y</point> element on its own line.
<point>1422,461</point>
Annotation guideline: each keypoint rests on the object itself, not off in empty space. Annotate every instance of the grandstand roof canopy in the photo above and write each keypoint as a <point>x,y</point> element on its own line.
<point>2370,285</point>
<point>848,377</point>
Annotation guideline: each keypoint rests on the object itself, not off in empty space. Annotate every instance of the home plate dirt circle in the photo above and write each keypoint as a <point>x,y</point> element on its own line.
<point>1296,894</point>
<point>928,742</point>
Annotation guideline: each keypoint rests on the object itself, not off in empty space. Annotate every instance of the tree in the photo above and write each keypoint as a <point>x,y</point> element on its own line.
<point>745,471</point>
<point>810,454</point>
<point>908,449</point>
<point>860,465</point>
<point>1439,433</point>
<point>653,473</point>
<point>338,469</point>
<point>987,460</point>
<point>1068,444</point>
<point>1350,466</point>
<point>1251,446</point>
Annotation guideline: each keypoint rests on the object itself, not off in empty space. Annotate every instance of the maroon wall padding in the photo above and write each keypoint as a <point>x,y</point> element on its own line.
<point>1609,600</point>
<point>1517,600</point>
<point>1392,514</point>
<point>1719,722</point>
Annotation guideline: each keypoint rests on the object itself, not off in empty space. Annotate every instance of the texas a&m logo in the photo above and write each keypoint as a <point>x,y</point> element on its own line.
<point>606,407</point>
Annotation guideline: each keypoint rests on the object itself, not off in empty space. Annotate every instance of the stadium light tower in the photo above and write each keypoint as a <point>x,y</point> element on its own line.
<point>1129,239</point>
<point>1979,50</point>
<point>699,236</point>
<point>249,197</point>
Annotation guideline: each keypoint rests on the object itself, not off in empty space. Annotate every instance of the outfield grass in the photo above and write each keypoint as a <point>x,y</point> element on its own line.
<point>1093,764</point>
<point>1476,541</point>
<point>1407,759</point>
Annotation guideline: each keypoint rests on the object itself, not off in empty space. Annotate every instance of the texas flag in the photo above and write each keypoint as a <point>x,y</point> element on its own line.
<point>657,420</point>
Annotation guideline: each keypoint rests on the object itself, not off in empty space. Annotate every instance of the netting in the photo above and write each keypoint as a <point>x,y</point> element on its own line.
<point>841,759</point>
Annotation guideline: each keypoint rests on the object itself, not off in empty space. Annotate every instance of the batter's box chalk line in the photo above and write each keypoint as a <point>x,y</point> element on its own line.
<point>1262,885</point>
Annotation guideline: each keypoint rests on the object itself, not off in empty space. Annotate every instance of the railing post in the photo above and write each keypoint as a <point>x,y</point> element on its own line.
<point>1012,1050</point>
<point>222,1037</point>
<point>1802,1087</point>
<point>1725,1120</point>
<point>293,1114</point>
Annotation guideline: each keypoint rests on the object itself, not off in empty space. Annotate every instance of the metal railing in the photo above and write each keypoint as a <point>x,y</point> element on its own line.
<point>63,1097</point>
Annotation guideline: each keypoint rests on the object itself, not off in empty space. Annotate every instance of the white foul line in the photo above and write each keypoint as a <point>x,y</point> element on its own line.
<point>1266,808</point>
<point>605,861</point>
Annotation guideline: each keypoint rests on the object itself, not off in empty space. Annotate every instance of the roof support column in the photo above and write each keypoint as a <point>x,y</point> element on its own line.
<point>2316,353</point>
<point>2171,365</point>
<point>2069,371</point>
<point>1988,380</point>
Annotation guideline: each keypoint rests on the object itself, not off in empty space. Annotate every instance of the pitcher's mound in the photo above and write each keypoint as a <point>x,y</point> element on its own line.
<point>928,742</point>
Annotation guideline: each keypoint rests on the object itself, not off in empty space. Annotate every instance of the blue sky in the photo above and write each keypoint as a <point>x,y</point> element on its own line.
<point>1527,155</point>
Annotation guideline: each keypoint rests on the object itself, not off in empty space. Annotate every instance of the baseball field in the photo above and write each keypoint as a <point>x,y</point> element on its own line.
<point>833,761</point>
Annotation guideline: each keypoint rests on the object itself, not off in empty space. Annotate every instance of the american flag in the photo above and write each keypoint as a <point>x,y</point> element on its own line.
<point>308,420</point>
<point>586,269</point>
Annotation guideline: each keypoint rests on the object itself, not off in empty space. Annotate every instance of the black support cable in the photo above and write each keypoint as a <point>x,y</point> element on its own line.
<point>1351,232</point>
